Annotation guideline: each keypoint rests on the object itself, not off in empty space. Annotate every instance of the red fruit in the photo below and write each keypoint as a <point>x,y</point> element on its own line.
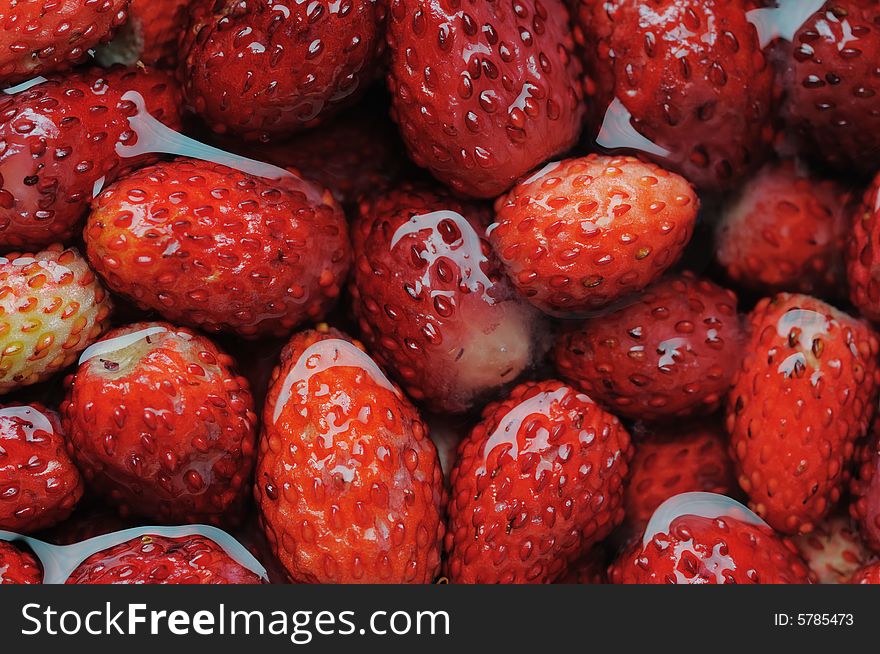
<point>17,567</point>
<point>212,247</point>
<point>161,426</point>
<point>804,394</point>
<point>51,308</point>
<point>673,460</point>
<point>484,91</point>
<point>58,146</point>
<point>833,86</point>
<point>162,560</point>
<point>869,574</point>
<point>865,489</point>
<point>863,255</point>
<point>536,484</point>
<point>834,551</point>
<point>39,485</point>
<point>582,233</point>
<point>264,68</point>
<point>785,232</point>
<point>700,550</point>
<point>150,35</point>
<point>42,37</point>
<point>670,353</point>
<point>591,569</point>
<point>348,482</point>
<point>432,302</point>
<point>683,81</point>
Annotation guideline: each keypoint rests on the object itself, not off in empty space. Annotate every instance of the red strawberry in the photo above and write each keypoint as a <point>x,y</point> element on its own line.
<point>685,81</point>
<point>161,426</point>
<point>804,394</point>
<point>348,483</point>
<point>163,560</point>
<point>17,567</point>
<point>150,35</point>
<point>209,246</point>
<point>833,551</point>
<point>265,68</point>
<point>700,550</point>
<point>580,234</point>
<point>865,489</point>
<point>833,85</point>
<point>785,232</point>
<point>670,353</point>
<point>484,91</point>
<point>869,574</point>
<point>51,308</point>
<point>589,569</point>
<point>39,485</point>
<point>433,304</point>
<point>672,460</point>
<point>58,146</point>
<point>863,255</point>
<point>536,484</point>
<point>46,36</point>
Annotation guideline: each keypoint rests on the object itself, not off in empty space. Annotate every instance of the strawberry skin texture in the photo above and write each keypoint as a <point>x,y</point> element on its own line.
<point>833,86</point>
<point>868,575</point>
<point>591,569</point>
<point>431,300</point>
<point>865,489</point>
<point>17,567</point>
<point>212,247</point>
<point>834,551</point>
<point>863,255</point>
<point>691,457</point>
<point>161,426</point>
<point>348,482</point>
<point>536,483</point>
<point>262,69</point>
<point>692,76</point>
<point>483,91</point>
<point>153,559</point>
<point>804,394</point>
<point>45,36</point>
<point>58,141</point>
<point>39,485</point>
<point>699,550</point>
<point>672,352</point>
<point>786,232</point>
<point>156,26</point>
<point>580,234</point>
<point>52,307</point>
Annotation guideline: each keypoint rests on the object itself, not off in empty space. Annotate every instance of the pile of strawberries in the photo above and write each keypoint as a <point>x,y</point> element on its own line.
<point>407,290</point>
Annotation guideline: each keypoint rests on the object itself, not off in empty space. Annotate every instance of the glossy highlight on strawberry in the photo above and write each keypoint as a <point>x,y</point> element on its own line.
<point>17,566</point>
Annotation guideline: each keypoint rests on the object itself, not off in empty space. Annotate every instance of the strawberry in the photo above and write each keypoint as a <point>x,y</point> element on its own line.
<point>484,91</point>
<point>150,35</point>
<point>348,483</point>
<point>154,559</point>
<point>672,352</point>
<point>685,81</point>
<point>51,308</point>
<point>863,255</point>
<point>39,485</point>
<point>212,247</point>
<point>590,569</point>
<point>869,574</point>
<point>58,145</point>
<point>785,232</point>
<point>671,460</point>
<point>865,488</point>
<point>537,483</point>
<point>834,551</point>
<point>262,69</point>
<point>700,550</point>
<point>161,426</point>
<point>18,567</point>
<point>432,302</point>
<point>585,232</point>
<point>42,37</point>
<point>804,394</point>
<point>833,86</point>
